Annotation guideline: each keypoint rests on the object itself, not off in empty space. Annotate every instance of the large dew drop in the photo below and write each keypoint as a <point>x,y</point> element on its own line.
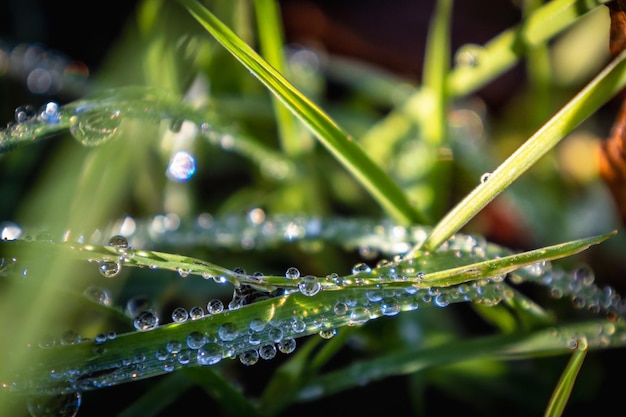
<point>146,320</point>
<point>66,405</point>
<point>96,127</point>
<point>109,269</point>
<point>309,285</point>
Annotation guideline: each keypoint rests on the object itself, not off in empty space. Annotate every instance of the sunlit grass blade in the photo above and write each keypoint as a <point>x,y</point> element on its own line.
<point>597,92</point>
<point>563,389</point>
<point>339,143</point>
<point>438,269</point>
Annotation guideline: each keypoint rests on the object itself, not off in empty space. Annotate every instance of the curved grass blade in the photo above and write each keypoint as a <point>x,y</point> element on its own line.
<point>536,343</point>
<point>562,391</point>
<point>339,143</point>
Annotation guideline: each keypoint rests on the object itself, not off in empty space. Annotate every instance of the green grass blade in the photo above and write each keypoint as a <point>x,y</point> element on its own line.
<point>502,52</point>
<point>232,400</point>
<point>339,143</point>
<point>159,396</point>
<point>269,26</point>
<point>604,86</point>
<point>562,391</point>
<point>436,68</point>
<point>511,346</point>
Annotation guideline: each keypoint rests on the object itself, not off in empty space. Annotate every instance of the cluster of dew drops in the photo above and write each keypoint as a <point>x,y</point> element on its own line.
<point>262,339</point>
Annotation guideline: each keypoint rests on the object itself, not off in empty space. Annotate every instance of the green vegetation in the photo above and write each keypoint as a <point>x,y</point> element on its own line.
<point>206,228</point>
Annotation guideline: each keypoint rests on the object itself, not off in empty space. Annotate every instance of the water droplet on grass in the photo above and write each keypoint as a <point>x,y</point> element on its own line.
<point>146,320</point>
<point>95,128</point>
<point>267,352</point>
<point>209,355</point>
<point>24,113</point>
<point>215,306</point>
<point>292,273</point>
<point>109,269</point>
<point>49,113</point>
<point>227,332</point>
<point>287,345</point>
<point>309,286</point>
<point>249,357</point>
<point>180,315</point>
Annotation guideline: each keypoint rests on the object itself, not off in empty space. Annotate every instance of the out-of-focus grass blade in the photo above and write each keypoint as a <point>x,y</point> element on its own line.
<point>269,27</point>
<point>159,396</point>
<point>546,342</point>
<point>436,68</point>
<point>339,143</point>
<point>231,399</point>
<point>604,86</point>
<point>562,391</point>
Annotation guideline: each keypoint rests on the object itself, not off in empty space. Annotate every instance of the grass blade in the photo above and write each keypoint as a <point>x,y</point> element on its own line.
<point>566,382</point>
<point>339,143</point>
<point>606,84</point>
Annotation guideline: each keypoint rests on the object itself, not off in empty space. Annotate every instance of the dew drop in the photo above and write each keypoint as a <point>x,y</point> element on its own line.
<point>100,296</point>
<point>227,332</point>
<point>65,405</point>
<point>249,357</point>
<point>49,113</point>
<point>309,286</point>
<point>95,128</point>
<point>287,345</point>
<point>136,305</point>
<point>361,268</point>
<point>182,166</point>
<point>389,307</point>
<point>257,325</point>
<point>146,320</point>
<point>215,306</point>
<point>24,113</point>
<point>275,334</point>
<point>292,273</point>
<point>173,346</point>
<point>584,275</point>
<point>180,315</point>
<point>119,243</point>
<point>374,296</point>
<point>340,309</point>
<point>358,316</point>
<point>195,340</point>
<point>196,313</point>
<point>70,337</point>
<point>267,352</point>
<point>328,334</point>
<point>298,326</point>
<point>468,55</point>
<point>209,355</point>
<point>10,231</point>
<point>485,177</point>
<point>109,269</point>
